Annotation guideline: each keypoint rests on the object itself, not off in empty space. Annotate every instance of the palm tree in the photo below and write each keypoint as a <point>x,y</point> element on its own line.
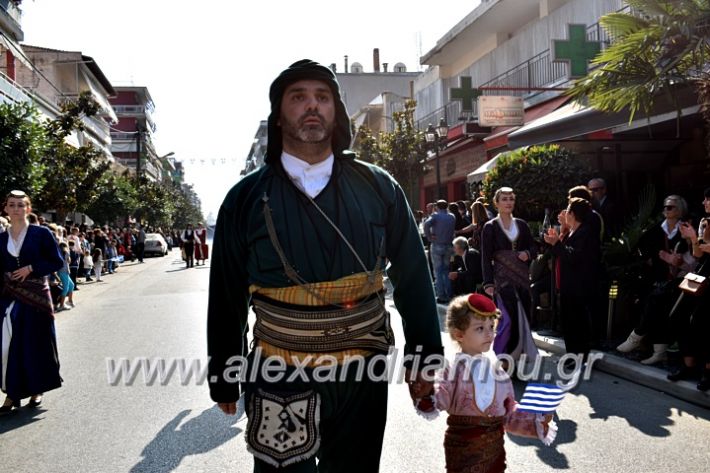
<point>658,48</point>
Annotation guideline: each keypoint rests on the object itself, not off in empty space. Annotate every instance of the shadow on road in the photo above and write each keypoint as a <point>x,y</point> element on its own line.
<point>198,435</point>
<point>20,418</point>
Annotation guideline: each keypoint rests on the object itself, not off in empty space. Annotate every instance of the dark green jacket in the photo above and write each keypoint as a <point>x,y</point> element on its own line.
<point>364,202</point>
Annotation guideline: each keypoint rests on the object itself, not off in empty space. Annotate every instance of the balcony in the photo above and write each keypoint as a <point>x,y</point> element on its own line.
<point>136,111</point>
<point>537,72</point>
<point>11,92</point>
<point>11,18</point>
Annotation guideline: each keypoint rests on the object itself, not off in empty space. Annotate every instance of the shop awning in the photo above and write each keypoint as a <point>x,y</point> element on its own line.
<point>576,120</point>
<point>480,173</point>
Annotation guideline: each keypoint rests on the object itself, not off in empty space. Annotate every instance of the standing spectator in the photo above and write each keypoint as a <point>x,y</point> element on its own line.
<point>88,265</point>
<point>606,208</point>
<point>140,243</point>
<point>74,261</point>
<point>578,256</point>
<point>28,354</point>
<point>506,251</point>
<point>66,298</point>
<point>439,230</point>
<point>201,250</point>
<point>98,258</point>
<point>479,217</point>
<point>662,246</point>
<point>188,244</point>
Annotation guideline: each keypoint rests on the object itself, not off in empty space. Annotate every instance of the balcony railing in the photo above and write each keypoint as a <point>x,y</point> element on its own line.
<point>538,71</point>
<point>12,92</point>
<point>11,8</point>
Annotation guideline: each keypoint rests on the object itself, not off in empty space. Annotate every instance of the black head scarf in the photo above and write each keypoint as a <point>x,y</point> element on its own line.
<point>305,69</point>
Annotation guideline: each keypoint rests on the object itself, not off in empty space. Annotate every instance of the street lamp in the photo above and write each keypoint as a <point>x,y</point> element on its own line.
<point>436,138</point>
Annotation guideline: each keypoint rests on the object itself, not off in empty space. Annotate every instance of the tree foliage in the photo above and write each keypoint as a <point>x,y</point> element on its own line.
<point>656,49</point>
<point>540,177</point>
<point>36,158</point>
<point>401,152</point>
<point>75,176</point>
<point>22,141</point>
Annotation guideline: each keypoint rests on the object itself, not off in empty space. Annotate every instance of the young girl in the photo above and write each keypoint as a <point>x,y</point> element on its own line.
<point>478,395</point>
<point>88,265</point>
<point>66,299</point>
<point>98,263</point>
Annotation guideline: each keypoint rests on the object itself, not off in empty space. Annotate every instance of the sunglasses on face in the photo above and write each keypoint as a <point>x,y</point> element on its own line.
<point>669,207</point>
<point>595,189</point>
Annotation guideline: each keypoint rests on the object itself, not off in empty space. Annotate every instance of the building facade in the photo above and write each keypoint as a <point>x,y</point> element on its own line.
<point>512,48</point>
<point>133,133</point>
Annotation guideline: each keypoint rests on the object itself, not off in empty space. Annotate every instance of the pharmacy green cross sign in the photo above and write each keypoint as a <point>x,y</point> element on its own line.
<point>577,51</point>
<point>466,94</point>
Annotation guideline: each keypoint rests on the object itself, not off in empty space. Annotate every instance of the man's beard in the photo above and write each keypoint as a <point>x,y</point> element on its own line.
<point>309,133</point>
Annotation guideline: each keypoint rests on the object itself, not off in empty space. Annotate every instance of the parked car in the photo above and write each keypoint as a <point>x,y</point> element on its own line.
<point>155,244</point>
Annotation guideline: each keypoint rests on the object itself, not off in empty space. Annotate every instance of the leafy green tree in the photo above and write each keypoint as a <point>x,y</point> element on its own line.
<point>74,176</point>
<point>22,140</point>
<point>117,200</point>
<point>156,203</point>
<point>540,177</point>
<point>657,50</point>
<point>401,152</point>
<point>187,207</point>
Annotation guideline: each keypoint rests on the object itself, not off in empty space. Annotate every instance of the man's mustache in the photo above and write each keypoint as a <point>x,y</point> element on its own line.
<point>308,115</point>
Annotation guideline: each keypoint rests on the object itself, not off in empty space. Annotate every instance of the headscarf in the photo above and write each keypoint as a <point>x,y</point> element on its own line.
<point>305,69</point>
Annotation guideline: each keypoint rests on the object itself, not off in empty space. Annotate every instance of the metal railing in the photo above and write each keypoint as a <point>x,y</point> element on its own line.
<point>11,8</point>
<point>538,71</point>
<point>11,91</point>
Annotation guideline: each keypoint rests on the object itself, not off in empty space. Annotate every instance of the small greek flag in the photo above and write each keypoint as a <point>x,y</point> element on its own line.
<point>541,398</point>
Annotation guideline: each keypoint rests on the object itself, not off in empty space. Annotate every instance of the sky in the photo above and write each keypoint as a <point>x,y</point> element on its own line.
<point>208,64</point>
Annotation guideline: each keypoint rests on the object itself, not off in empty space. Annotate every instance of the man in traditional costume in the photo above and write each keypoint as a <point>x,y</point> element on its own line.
<point>304,240</point>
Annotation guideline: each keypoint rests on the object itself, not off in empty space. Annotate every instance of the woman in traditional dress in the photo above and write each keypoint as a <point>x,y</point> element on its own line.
<point>188,246</point>
<point>200,244</point>
<point>29,360</point>
<point>506,251</point>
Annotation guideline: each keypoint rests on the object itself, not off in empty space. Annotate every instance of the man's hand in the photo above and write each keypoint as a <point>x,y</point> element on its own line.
<point>418,387</point>
<point>453,275</point>
<point>523,256</point>
<point>229,408</point>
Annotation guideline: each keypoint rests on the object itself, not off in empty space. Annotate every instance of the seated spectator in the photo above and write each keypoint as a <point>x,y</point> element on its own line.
<point>662,246</point>
<point>467,272</point>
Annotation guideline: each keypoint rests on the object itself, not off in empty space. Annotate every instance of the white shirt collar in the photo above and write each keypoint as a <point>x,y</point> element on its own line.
<point>669,234</point>
<point>482,369</point>
<point>310,178</point>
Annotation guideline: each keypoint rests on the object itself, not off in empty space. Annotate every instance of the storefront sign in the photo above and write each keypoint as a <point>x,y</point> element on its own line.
<point>500,110</point>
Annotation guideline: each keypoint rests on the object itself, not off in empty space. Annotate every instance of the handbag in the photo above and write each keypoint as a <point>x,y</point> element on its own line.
<point>693,284</point>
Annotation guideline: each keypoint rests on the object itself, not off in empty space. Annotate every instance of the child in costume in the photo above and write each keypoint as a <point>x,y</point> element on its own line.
<point>478,394</point>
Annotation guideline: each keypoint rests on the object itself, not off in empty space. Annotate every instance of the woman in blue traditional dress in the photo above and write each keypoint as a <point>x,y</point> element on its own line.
<point>28,354</point>
<point>507,248</point>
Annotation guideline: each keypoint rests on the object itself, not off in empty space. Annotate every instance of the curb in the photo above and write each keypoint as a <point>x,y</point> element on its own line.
<point>635,372</point>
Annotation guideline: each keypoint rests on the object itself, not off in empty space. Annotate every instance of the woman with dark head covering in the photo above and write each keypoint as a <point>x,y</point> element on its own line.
<point>28,355</point>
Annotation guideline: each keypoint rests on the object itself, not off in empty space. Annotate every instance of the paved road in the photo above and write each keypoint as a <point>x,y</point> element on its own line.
<point>157,309</point>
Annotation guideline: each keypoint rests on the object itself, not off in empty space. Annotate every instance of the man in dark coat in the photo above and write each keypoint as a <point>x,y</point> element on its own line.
<point>304,240</point>
<point>467,271</point>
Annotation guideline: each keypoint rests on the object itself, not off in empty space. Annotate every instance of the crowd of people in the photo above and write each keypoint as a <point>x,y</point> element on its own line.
<point>476,247</point>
